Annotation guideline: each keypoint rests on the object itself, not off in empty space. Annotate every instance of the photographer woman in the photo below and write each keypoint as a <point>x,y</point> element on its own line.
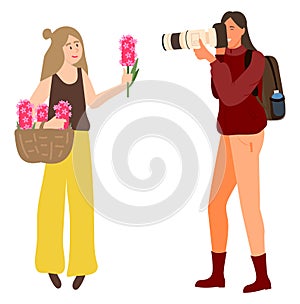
<point>241,123</point>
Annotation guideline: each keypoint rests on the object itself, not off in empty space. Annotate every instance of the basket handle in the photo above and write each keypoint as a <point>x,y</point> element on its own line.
<point>42,125</point>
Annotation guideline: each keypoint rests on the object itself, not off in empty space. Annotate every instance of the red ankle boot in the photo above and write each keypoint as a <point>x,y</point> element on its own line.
<point>262,281</point>
<point>217,278</point>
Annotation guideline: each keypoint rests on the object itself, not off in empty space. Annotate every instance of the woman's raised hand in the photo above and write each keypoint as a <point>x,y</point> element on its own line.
<point>204,53</point>
<point>126,78</point>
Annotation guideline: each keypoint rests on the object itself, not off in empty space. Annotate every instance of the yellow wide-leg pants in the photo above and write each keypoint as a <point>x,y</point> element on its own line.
<point>73,174</point>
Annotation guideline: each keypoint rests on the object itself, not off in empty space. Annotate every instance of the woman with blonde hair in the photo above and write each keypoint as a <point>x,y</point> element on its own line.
<point>65,77</point>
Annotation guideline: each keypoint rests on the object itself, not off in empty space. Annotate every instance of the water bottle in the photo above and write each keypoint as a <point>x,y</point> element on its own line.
<point>278,104</point>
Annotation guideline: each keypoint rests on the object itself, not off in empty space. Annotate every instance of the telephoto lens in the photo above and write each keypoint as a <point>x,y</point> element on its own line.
<point>215,37</point>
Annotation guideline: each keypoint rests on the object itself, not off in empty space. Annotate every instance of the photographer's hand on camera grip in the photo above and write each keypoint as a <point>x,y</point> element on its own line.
<point>204,53</point>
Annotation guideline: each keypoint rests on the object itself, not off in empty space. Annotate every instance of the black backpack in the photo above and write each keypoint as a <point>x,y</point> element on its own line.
<point>273,99</point>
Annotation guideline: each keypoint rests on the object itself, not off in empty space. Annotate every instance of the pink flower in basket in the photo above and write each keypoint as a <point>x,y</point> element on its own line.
<point>42,112</point>
<point>24,112</point>
<point>63,111</point>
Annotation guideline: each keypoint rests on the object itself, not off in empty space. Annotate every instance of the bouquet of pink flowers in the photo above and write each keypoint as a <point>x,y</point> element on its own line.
<point>129,57</point>
<point>26,120</point>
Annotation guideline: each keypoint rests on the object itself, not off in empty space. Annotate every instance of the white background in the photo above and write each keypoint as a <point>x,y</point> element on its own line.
<point>159,263</point>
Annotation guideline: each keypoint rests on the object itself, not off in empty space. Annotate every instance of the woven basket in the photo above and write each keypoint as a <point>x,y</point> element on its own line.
<point>44,145</point>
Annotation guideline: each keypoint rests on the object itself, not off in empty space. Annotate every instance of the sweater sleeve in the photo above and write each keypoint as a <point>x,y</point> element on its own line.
<point>213,88</point>
<point>234,92</point>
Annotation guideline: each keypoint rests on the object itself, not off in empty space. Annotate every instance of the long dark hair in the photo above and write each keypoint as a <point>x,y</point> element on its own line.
<point>240,19</point>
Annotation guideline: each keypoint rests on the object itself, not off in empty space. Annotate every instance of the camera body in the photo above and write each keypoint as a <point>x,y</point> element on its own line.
<point>215,37</point>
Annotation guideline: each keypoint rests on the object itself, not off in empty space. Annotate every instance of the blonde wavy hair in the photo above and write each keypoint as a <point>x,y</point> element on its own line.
<point>54,57</point>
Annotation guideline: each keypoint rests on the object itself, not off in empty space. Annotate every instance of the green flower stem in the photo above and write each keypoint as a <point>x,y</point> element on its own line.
<point>127,83</point>
<point>134,71</point>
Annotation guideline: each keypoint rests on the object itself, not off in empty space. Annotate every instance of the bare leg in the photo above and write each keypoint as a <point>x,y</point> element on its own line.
<point>223,183</point>
<point>245,151</point>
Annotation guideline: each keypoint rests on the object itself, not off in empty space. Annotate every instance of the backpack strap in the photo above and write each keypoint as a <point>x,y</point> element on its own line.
<point>273,72</point>
<point>248,57</point>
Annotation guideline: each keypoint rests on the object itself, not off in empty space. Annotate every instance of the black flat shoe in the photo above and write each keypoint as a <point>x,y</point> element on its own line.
<point>78,281</point>
<point>55,280</point>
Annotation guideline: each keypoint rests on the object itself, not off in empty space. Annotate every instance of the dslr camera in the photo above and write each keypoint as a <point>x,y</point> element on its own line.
<point>215,37</point>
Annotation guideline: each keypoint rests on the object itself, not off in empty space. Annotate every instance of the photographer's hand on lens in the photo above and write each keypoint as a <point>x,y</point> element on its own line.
<point>204,53</point>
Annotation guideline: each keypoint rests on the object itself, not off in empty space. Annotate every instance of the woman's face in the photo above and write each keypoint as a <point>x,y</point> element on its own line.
<point>234,34</point>
<point>72,50</point>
